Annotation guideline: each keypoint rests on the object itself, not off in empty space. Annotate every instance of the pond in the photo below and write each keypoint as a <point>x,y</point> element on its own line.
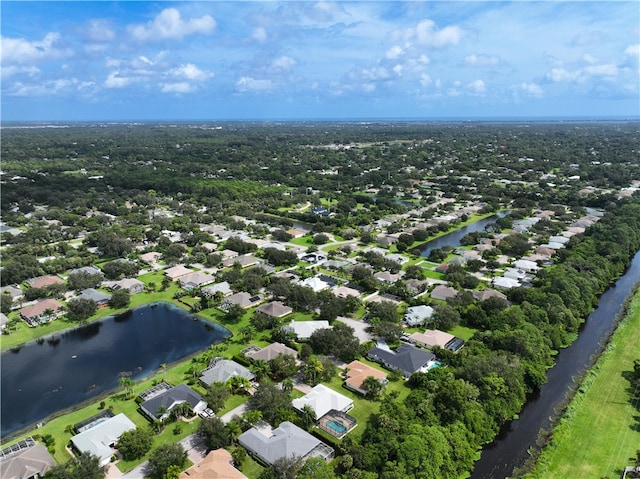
<point>453,239</point>
<point>55,373</point>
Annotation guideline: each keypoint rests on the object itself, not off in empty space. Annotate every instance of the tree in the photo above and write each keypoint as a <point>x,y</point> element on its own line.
<point>82,466</point>
<point>214,433</point>
<point>238,385</point>
<point>282,366</point>
<point>287,467</point>
<point>316,468</point>
<point>308,416</point>
<point>120,298</point>
<point>83,280</point>
<point>164,457</point>
<point>81,309</point>
<point>270,401</point>
<point>127,384</point>
<point>320,238</point>
<point>5,303</point>
<point>312,369</point>
<point>135,443</point>
<point>216,395</point>
<point>373,386</point>
<point>234,313</point>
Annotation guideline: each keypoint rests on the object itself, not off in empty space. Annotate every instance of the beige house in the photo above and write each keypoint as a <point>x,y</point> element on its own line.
<point>356,372</point>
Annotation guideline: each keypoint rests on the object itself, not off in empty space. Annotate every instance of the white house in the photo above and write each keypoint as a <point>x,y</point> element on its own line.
<point>322,400</point>
<point>417,315</point>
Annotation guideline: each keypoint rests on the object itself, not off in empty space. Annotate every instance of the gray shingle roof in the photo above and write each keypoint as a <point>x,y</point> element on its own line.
<point>178,394</point>
<point>406,358</point>
<point>224,369</point>
<point>285,441</point>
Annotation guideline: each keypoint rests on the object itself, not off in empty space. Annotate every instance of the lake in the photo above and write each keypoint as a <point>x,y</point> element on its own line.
<point>55,373</point>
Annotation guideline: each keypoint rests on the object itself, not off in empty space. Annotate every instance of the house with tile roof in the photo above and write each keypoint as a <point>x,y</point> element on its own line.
<point>217,464</point>
<point>356,372</point>
<point>43,311</point>
<point>25,460</point>
<point>221,370</point>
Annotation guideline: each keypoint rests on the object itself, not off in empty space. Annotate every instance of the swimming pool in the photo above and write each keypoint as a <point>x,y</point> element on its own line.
<point>336,426</point>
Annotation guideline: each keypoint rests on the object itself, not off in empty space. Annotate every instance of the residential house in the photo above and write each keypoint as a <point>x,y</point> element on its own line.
<point>3,320</point>
<point>43,311</point>
<point>443,292</point>
<point>275,309</point>
<point>272,351</point>
<point>217,464</point>
<point>345,292</point>
<point>296,233</point>
<point>14,291</point>
<point>224,288</point>
<point>418,315</point>
<point>416,286</point>
<point>177,271</point>
<point>221,370</point>
<point>304,329</point>
<point>505,283</point>
<point>526,265</point>
<point>100,439</point>
<point>91,270</point>
<point>242,298</point>
<point>434,337</point>
<point>160,406</point>
<point>386,240</point>
<point>407,359</point>
<point>387,277</point>
<point>323,399</point>
<point>286,440</point>
<point>484,294</point>
<point>130,284</point>
<point>25,460</point>
<point>195,280</point>
<point>44,281</point>
<point>244,261</point>
<point>101,299</point>
<point>356,372</point>
<point>151,258</point>
<point>315,283</point>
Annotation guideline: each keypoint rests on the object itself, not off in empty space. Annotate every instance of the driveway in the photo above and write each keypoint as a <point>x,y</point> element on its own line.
<point>359,328</point>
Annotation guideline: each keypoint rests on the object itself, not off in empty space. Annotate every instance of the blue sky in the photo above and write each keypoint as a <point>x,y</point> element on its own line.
<point>73,60</point>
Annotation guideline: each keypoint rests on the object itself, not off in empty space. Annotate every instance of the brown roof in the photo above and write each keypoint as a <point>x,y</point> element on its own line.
<point>216,465</point>
<point>40,307</point>
<point>27,463</point>
<point>43,281</point>
<point>272,351</point>
<point>358,372</point>
<point>432,337</point>
<point>275,309</point>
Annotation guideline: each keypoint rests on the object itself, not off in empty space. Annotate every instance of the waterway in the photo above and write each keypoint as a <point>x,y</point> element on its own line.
<point>510,449</point>
<point>55,373</point>
<point>453,239</point>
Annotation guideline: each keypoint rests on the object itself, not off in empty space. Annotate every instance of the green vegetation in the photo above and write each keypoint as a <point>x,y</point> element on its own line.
<point>604,410</point>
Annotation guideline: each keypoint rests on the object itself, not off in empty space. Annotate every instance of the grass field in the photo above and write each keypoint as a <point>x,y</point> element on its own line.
<point>600,431</point>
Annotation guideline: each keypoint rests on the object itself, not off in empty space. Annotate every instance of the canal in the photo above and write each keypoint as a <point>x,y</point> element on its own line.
<point>510,449</point>
<point>55,373</point>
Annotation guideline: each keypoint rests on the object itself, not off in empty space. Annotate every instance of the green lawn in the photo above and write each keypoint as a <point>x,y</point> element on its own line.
<point>600,431</point>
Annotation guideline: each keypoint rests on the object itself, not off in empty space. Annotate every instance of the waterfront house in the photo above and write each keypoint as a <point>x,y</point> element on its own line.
<point>101,439</point>
<point>43,311</point>
<point>25,460</point>
<point>221,370</point>
<point>159,407</point>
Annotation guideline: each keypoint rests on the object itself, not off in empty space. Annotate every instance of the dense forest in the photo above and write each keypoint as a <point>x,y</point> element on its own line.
<point>108,184</point>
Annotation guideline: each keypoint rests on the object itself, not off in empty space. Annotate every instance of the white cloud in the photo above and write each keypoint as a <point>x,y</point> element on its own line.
<point>425,80</point>
<point>115,80</point>
<point>477,87</point>
<point>259,34</point>
<point>426,33</point>
<point>11,70</point>
<point>562,75</point>
<point>283,63</point>
<point>481,60</point>
<point>604,70</point>
<point>20,51</point>
<point>633,50</point>
<point>168,25</point>
<point>394,52</point>
<point>531,89</point>
<point>191,72</point>
<point>178,87</point>
<point>253,84</point>
<point>98,31</point>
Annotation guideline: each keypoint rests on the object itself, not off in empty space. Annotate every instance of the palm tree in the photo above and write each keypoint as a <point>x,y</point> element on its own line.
<point>127,383</point>
<point>247,332</point>
<point>261,369</point>
<point>234,430</point>
<point>311,370</point>
<point>238,385</point>
<point>163,368</point>
<point>287,385</point>
<point>308,415</point>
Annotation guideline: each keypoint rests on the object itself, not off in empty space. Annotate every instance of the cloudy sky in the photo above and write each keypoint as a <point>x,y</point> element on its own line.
<point>160,60</point>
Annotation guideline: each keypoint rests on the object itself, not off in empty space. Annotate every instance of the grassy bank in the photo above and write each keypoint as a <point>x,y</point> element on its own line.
<point>599,433</point>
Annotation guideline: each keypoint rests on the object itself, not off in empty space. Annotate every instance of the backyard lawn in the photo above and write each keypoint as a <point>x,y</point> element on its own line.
<point>600,432</point>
